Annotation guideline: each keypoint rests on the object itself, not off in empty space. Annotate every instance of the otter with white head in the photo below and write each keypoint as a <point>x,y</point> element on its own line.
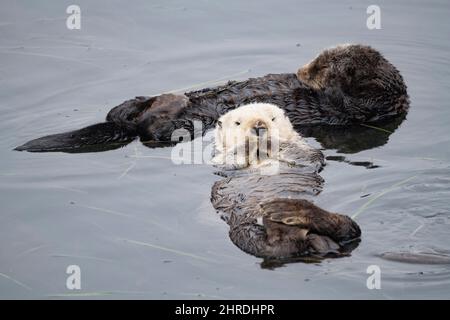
<point>273,215</point>
<point>258,134</point>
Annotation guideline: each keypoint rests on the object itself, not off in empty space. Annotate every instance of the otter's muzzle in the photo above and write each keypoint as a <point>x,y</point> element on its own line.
<point>259,128</point>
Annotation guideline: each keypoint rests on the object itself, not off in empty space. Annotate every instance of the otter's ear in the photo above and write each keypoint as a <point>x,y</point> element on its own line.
<point>219,123</point>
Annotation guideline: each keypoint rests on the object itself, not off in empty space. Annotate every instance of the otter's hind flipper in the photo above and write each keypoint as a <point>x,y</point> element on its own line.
<point>98,137</point>
<point>153,119</point>
<point>118,130</point>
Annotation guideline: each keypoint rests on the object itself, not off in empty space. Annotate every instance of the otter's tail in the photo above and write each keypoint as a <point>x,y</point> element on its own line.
<point>98,137</point>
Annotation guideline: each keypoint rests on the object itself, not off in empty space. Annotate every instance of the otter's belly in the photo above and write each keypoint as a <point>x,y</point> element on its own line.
<point>242,194</point>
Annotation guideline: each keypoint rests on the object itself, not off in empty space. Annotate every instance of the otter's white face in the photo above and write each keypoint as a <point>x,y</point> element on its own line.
<point>250,133</point>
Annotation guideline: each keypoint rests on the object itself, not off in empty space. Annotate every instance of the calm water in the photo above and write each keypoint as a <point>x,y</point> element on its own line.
<point>140,226</point>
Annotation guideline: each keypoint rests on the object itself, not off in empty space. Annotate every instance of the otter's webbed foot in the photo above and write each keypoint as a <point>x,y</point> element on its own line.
<point>313,230</point>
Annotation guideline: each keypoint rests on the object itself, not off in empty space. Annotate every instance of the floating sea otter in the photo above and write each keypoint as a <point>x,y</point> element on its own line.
<point>271,178</point>
<point>345,85</point>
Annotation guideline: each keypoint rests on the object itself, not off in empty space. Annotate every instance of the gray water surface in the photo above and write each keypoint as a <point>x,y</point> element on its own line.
<point>140,226</point>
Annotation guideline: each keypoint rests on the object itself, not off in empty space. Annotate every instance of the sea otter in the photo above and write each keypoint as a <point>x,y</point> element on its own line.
<point>267,194</point>
<point>344,85</point>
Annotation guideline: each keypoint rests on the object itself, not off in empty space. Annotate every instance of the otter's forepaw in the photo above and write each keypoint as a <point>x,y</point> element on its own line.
<point>159,122</point>
<point>229,161</point>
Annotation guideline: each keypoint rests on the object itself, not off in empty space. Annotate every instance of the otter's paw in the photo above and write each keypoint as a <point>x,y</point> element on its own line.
<point>322,244</point>
<point>304,214</point>
<point>159,122</point>
<point>230,161</point>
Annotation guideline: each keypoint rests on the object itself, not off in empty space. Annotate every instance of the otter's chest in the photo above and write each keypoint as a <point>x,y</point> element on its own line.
<point>242,194</point>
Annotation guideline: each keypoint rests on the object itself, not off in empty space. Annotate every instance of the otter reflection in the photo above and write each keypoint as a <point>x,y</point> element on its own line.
<point>348,139</point>
<point>354,138</point>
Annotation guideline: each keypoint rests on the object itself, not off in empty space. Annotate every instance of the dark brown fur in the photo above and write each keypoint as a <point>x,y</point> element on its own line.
<point>292,226</point>
<point>342,86</point>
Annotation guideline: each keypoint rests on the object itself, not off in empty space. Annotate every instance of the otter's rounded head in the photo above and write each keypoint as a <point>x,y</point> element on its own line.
<point>254,121</point>
<point>350,68</point>
<point>251,128</point>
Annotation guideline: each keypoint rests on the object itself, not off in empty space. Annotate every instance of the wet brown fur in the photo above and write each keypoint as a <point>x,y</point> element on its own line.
<point>342,86</point>
<point>292,225</point>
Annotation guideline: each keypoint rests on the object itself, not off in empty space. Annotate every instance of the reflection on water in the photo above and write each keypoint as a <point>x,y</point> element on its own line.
<point>141,227</point>
<point>353,139</point>
<point>272,264</point>
<point>350,139</point>
<point>345,139</point>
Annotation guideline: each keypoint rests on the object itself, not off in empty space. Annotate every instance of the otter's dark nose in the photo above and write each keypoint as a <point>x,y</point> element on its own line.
<point>259,128</point>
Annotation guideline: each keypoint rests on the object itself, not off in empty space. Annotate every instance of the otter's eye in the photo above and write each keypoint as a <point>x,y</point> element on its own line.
<point>237,123</point>
<point>273,119</point>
